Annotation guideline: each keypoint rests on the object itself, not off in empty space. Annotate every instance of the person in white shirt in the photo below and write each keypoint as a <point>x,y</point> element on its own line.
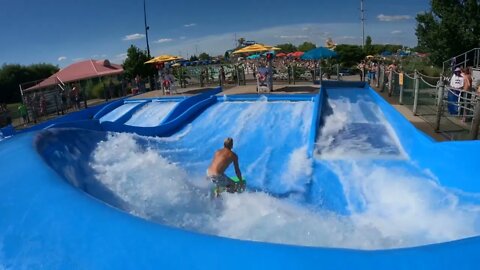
<point>456,82</point>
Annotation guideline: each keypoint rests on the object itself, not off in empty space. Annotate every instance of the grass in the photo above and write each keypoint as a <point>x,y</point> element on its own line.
<point>13,109</point>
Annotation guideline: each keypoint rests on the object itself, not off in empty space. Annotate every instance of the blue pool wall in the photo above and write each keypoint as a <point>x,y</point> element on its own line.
<point>48,223</point>
<point>185,110</point>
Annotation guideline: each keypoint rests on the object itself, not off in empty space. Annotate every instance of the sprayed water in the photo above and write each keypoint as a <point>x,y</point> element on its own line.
<point>151,114</point>
<point>389,205</point>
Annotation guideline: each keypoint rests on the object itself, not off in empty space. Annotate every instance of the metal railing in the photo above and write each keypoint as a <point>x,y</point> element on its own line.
<point>454,113</point>
<point>469,58</point>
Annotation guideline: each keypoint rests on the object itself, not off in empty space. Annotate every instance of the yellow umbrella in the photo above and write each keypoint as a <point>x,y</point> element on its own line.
<point>256,48</point>
<point>163,58</point>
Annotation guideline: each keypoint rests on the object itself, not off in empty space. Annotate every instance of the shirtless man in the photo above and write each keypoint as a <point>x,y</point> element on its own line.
<point>216,171</point>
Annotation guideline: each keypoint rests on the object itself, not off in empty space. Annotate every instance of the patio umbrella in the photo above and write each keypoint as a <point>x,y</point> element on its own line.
<point>281,54</point>
<point>319,53</point>
<point>163,58</point>
<point>256,48</point>
<point>253,56</point>
<point>296,54</point>
<point>370,56</point>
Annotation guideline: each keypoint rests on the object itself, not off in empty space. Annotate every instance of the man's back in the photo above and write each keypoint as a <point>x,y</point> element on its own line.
<point>222,159</point>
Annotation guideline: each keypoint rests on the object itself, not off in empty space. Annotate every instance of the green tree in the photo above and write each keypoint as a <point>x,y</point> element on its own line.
<point>204,56</point>
<point>368,45</point>
<point>306,46</point>
<point>287,47</point>
<point>193,58</point>
<point>12,75</point>
<point>349,55</point>
<point>135,64</point>
<point>450,28</point>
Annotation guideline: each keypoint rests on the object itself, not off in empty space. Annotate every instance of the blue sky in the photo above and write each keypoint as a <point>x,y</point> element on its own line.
<point>64,31</point>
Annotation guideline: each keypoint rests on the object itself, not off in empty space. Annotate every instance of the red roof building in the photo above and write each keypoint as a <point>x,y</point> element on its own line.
<point>80,71</point>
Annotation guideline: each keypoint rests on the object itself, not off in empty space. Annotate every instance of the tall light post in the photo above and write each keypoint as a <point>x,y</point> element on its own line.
<point>146,27</point>
<point>363,23</point>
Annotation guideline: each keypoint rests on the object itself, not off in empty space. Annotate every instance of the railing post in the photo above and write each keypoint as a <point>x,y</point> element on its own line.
<point>238,75</point>
<point>390,83</point>
<point>338,72</point>
<point>400,82</point>
<point>441,90</point>
<point>476,120</point>
<point>415,92</point>
<point>293,74</point>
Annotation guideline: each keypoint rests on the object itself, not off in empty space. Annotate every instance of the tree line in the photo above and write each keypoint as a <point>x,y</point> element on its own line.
<point>11,75</point>
<point>449,28</point>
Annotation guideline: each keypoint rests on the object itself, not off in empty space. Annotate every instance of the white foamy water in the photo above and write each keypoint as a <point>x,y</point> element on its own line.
<point>389,207</point>
<point>118,112</point>
<point>357,130</point>
<point>151,114</point>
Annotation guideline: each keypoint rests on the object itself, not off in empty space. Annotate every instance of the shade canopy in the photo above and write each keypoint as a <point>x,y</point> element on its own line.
<point>253,56</point>
<point>256,48</point>
<point>296,54</point>
<point>163,58</point>
<point>80,71</point>
<point>319,53</point>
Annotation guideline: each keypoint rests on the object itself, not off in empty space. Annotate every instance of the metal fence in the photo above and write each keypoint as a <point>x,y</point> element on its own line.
<point>454,113</point>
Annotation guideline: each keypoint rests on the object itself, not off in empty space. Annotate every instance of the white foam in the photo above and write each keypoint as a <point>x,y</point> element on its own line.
<point>389,207</point>
<point>355,144</point>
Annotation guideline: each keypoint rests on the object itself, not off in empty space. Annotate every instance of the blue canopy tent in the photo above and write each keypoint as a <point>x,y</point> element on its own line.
<point>318,54</point>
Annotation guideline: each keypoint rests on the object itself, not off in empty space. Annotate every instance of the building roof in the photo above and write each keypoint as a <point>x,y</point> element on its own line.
<point>80,71</point>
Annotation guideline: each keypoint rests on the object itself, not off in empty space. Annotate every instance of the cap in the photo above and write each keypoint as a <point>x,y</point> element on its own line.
<point>458,69</point>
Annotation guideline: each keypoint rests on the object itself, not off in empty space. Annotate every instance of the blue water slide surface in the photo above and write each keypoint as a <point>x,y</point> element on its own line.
<point>336,180</point>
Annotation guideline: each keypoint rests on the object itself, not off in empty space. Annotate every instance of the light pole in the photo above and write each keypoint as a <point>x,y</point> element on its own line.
<point>146,27</point>
<point>362,10</point>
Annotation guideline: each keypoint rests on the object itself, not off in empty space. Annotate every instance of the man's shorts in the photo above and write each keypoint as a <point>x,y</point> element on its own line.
<point>220,180</point>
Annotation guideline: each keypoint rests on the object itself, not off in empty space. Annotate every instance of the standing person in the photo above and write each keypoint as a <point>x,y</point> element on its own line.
<point>63,100</point>
<point>22,110</point>
<point>467,88</point>
<point>111,89</point>
<point>456,83</point>
<point>361,67</point>
<point>43,105</point>
<point>216,171</point>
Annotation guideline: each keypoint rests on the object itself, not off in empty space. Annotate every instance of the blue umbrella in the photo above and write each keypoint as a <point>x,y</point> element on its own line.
<point>386,53</point>
<point>318,53</point>
<point>254,56</point>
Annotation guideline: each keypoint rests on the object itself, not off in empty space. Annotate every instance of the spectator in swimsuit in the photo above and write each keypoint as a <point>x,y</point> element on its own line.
<point>216,171</point>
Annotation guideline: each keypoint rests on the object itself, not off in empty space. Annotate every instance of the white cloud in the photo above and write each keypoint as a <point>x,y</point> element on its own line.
<point>190,25</point>
<point>295,37</point>
<point>346,33</point>
<point>163,40</point>
<point>396,32</point>
<point>393,18</point>
<point>62,58</point>
<point>134,36</point>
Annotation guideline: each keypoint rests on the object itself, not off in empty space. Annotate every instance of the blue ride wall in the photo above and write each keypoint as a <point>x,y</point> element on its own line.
<point>47,223</point>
